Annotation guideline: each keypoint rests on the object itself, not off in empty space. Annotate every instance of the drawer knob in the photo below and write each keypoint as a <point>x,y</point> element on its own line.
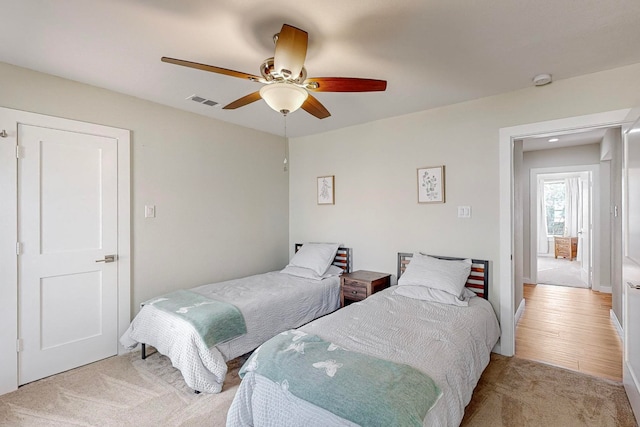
<point>354,292</point>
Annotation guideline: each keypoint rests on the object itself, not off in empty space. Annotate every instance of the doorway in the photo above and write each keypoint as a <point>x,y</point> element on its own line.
<point>510,251</point>
<point>562,225</point>
<point>65,186</point>
<point>511,248</point>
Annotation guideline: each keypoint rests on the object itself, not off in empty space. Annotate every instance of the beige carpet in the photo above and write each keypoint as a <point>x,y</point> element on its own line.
<point>523,393</point>
<point>560,271</point>
<point>127,391</point>
<point>119,391</point>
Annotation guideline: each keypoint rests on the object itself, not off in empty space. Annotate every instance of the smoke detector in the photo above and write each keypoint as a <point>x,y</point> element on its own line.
<point>542,79</point>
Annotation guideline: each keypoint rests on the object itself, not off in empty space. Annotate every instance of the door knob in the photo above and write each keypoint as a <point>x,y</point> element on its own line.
<point>107,258</point>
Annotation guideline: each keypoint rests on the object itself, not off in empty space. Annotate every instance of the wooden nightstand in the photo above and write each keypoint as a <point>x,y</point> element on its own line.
<point>358,285</point>
<point>566,247</point>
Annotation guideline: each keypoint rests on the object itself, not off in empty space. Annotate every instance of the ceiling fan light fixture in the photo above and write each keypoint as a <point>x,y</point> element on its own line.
<point>285,98</point>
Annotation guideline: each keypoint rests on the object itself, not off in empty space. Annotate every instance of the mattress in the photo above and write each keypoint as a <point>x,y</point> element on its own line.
<point>270,303</point>
<point>451,344</point>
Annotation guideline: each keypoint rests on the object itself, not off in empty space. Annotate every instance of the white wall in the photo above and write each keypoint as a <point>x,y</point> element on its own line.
<point>220,192</point>
<point>376,210</point>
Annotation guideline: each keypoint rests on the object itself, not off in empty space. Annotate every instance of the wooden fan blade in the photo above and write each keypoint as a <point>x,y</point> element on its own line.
<point>346,84</point>
<point>315,108</point>
<point>211,68</point>
<point>245,100</point>
<point>291,51</point>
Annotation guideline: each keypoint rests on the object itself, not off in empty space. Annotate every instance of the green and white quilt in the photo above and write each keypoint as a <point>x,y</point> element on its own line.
<point>361,388</point>
<point>215,321</point>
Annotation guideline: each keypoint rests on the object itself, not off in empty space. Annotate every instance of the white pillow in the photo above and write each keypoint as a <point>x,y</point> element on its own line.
<point>315,256</point>
<point>445,275</point>
<point>306,273</point>
<point>435,295</point>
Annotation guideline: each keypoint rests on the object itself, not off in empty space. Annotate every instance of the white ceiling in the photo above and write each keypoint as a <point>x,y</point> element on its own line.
<point>431,52</point>
<point>592,136</point>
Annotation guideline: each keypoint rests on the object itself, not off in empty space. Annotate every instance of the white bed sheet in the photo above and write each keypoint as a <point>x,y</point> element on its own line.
<point>451,344</point>
<point>270,303</point>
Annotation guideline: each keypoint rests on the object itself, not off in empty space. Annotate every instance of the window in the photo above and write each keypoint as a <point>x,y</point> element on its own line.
<point>554,199</point>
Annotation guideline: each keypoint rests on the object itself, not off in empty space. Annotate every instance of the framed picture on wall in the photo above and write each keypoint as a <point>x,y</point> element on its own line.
<point>326,190</point>
<point>431,184</point>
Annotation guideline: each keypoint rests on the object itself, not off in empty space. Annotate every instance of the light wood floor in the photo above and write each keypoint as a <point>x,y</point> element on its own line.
<point>571,328</point>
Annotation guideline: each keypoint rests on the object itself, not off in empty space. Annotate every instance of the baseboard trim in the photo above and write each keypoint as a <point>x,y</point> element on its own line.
<point>498,349</point>
<point>605,289</point>
<point>617,324</point>
<point>520,310</point>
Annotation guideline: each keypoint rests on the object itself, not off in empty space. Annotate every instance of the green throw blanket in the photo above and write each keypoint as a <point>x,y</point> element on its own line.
<point>357,387</point>
<point>215,321</point>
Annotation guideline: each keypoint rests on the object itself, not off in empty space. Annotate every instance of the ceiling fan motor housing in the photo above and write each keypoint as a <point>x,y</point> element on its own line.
<point>267,69</point>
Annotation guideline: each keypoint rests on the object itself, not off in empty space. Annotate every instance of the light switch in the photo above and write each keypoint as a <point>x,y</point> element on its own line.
<point>150,211</point>
<point>464,211</point>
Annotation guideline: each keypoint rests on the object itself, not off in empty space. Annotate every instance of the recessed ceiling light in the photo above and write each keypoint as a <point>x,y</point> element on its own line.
<point>554,140</point>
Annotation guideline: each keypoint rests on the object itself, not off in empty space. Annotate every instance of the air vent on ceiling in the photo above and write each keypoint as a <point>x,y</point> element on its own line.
<point>201,100</point>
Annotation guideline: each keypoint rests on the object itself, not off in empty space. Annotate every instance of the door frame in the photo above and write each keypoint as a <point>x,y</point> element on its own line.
<point>594,214</point>
<point>629,272</point>
<point>507,136</point>
<point>9,150</point>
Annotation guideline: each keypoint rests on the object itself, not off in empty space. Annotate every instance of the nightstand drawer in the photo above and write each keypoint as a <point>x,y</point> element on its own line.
<point>354,290</point>
<point>358,285</point>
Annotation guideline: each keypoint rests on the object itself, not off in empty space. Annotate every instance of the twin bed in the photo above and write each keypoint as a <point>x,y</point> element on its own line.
<point>430,327</point>
<point>408,355</point>
<point>269,303</point>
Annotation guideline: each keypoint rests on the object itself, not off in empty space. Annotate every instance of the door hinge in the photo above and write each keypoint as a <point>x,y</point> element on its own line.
<point>18,152</point>
<point>19,345</point>
<point>18,248</point>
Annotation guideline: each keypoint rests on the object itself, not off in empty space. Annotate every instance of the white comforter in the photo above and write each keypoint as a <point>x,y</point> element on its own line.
<point>270,303</point>
<point>451,344</point>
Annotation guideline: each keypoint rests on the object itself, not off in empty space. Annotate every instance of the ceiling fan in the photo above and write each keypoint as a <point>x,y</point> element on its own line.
<point>285,78</point>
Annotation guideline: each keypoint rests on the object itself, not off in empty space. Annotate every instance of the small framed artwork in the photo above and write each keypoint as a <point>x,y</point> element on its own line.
<point>431,184</point>
<point>326,190</point>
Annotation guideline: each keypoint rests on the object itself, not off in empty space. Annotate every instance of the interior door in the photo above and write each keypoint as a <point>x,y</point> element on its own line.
<point>631,266</point>
<point>67,228</point>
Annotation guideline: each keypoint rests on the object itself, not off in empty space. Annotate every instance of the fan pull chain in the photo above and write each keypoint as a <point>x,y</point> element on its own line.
<point>286,144</point>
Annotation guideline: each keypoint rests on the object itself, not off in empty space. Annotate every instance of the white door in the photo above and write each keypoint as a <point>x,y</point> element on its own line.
<point>631,266</point>
<point>67,204</point>
<point>584,233</point>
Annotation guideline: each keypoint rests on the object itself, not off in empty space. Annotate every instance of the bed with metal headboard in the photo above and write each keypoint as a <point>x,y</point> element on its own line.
<point>449,342</point>
<point>261,306</point>
<point>478,280</point>
<point>343,258</point>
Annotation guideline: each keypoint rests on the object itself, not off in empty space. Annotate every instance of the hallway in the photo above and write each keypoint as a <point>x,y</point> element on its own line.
<point>571,328</point>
